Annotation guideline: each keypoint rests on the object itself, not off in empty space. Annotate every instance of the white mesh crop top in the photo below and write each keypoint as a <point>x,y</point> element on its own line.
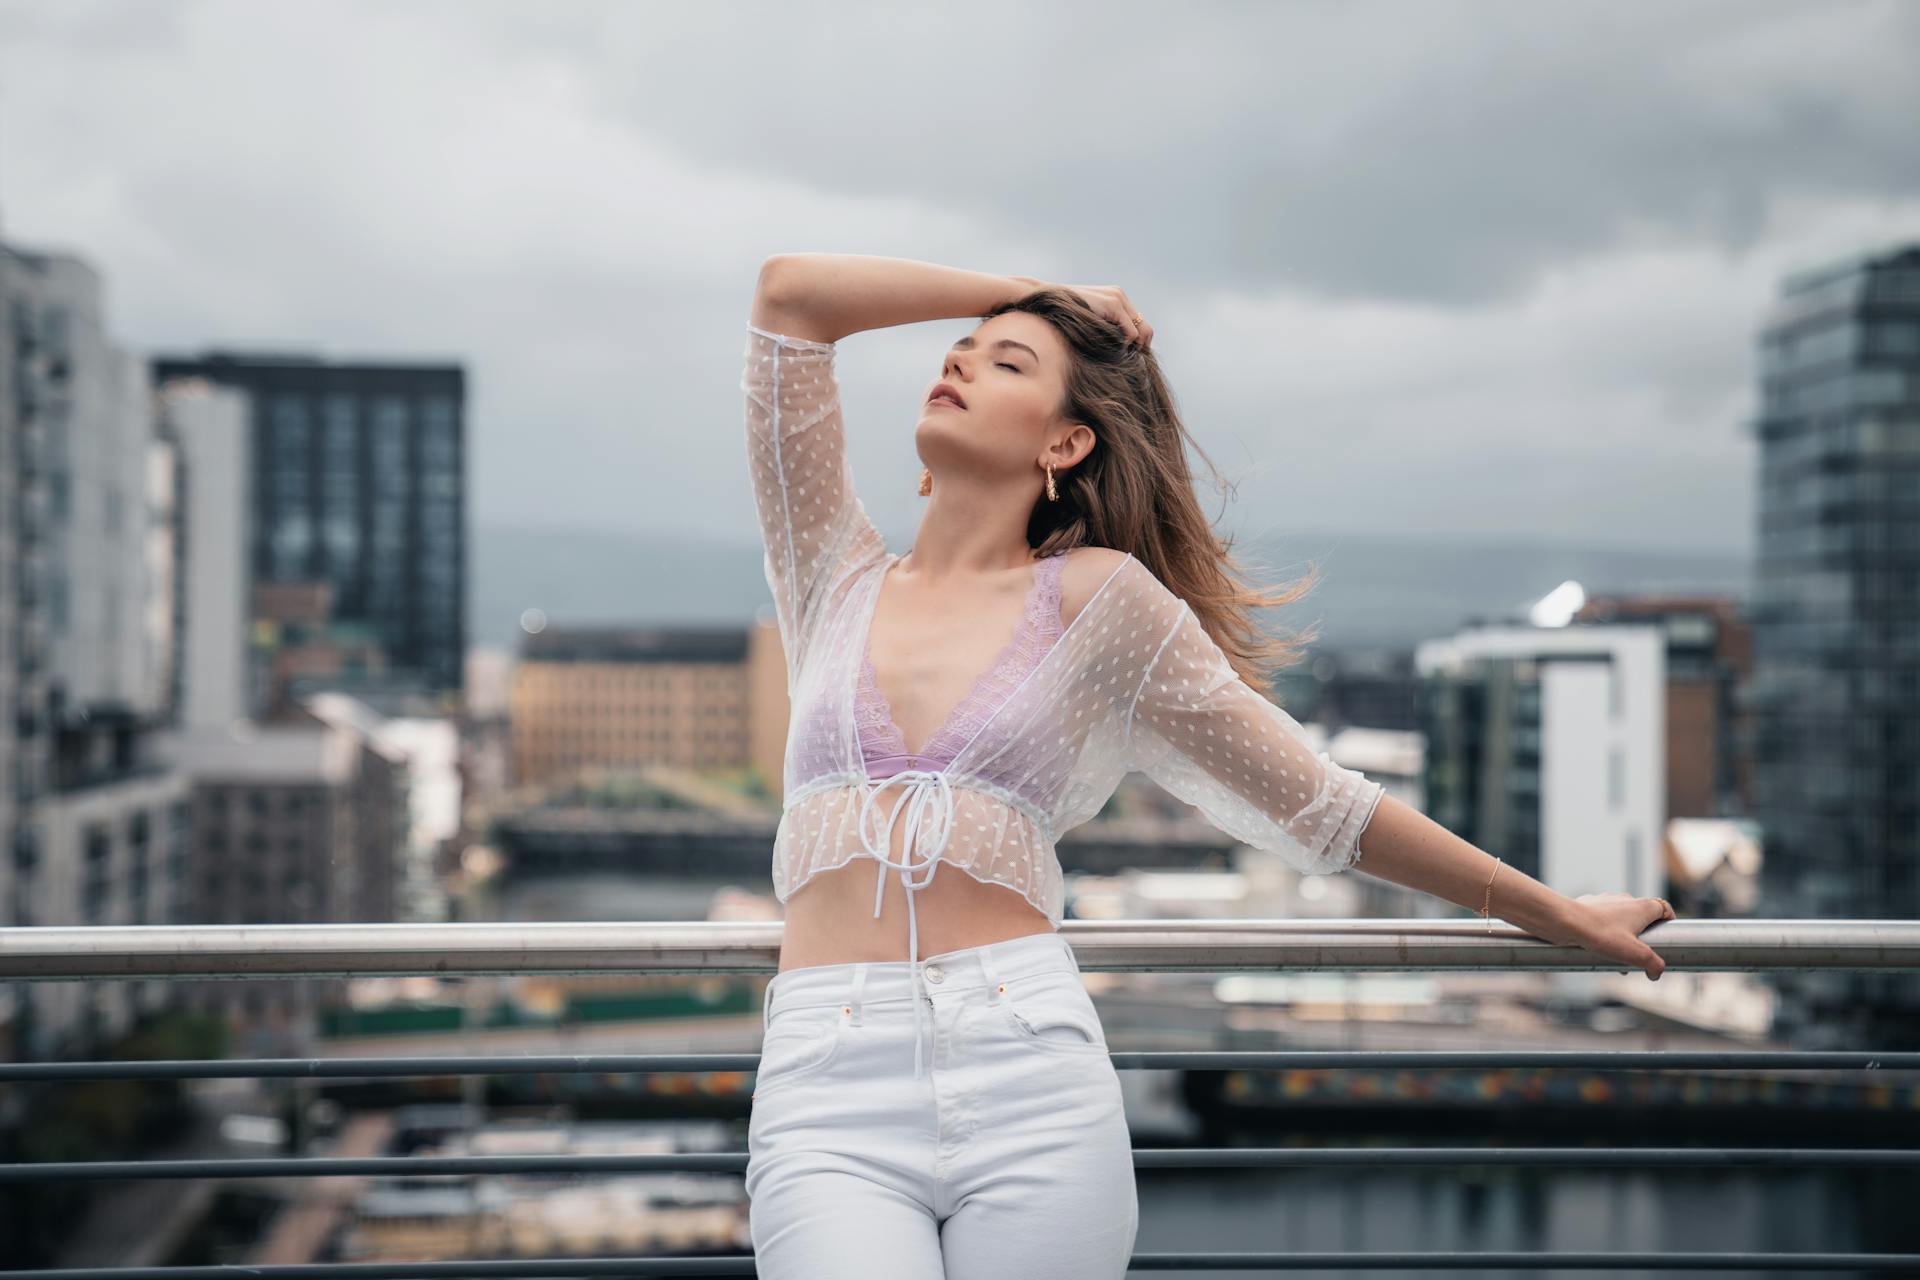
<point>1133,682</point>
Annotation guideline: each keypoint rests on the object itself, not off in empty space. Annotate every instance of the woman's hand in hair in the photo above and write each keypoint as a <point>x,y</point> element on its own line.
<point>1111,302</point>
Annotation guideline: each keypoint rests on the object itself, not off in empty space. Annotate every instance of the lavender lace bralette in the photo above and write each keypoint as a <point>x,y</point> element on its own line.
<point>884,747</point>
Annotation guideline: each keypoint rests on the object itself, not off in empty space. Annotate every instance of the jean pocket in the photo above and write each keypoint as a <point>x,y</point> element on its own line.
<point>799,1042</point>
<point>1054,1012</point>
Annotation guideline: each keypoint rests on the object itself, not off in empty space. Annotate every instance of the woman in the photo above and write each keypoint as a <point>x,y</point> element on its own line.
<point>934,1095</point>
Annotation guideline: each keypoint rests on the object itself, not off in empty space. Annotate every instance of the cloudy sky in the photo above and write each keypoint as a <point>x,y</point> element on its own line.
<point>1446,269</point>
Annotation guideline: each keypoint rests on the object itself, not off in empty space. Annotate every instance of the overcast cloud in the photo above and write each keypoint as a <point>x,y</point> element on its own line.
<point>1450,269</point>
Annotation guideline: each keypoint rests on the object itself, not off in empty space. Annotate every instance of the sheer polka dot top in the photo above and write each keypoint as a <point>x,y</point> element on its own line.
<point>1132,682</point>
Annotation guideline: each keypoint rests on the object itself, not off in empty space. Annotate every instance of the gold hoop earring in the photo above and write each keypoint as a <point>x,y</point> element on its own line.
<point>926,481</point>
<point>1053,494</point>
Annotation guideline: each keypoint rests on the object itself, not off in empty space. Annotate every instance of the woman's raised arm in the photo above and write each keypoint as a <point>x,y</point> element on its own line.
<point>812,522</point>
<point>827,296</point>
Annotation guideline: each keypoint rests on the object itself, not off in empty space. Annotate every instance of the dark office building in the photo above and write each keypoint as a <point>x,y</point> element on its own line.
<point>357,485</point>
<point>1835,696</point>
<point>1483,732</point>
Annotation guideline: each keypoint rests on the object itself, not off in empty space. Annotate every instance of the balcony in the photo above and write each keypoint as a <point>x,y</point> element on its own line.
<point>1205,946</point>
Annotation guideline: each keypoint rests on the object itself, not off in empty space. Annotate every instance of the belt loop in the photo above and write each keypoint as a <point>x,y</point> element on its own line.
<point>859,986</point>
<point>994,986</point>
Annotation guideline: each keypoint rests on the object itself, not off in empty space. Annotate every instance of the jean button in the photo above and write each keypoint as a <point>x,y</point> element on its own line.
<point>935,973</point>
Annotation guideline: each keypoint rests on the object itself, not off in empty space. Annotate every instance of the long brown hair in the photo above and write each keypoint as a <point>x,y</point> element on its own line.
<point>1134,492</point>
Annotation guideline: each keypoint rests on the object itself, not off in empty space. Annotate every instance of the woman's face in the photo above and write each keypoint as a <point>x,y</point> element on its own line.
<point>1010,374</point>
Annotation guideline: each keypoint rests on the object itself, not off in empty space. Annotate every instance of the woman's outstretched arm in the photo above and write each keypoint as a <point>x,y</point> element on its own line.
<point>1212,740</point>
<point>826,296</point>
<point>1405,846</point>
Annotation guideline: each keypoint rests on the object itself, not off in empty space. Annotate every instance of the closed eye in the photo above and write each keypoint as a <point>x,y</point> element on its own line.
<point>1004,365</point>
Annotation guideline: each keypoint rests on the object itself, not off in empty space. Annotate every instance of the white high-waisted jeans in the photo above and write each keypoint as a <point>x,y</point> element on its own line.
<point>1010,1157</point>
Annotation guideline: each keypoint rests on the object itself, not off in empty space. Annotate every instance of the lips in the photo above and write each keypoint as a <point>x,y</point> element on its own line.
<point>944,393</point>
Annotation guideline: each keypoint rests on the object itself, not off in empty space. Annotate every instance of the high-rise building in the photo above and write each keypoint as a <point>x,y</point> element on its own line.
<point>356,491</point>
<point>1836,688</point>
<point>1835,696</point>
<point>94,822</point>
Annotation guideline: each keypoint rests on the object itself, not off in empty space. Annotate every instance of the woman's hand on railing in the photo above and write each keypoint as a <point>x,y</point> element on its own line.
<point>1610,924</point>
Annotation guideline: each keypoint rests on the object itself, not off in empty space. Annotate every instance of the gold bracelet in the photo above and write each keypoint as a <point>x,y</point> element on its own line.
<point>1486,908</point>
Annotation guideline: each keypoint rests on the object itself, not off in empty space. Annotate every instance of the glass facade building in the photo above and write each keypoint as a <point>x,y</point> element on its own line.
<point>1834,700</point>
<point>358,483</point>
<point>1482,779</point>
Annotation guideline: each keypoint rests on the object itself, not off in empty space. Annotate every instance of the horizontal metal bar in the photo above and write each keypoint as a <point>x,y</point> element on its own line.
<point>743,1265</point>
<point>54,954</point>
<point>1149,1060</point>
<point>1528,1157</point>
<point>1372,1158</point>
<point>1508,1261</point>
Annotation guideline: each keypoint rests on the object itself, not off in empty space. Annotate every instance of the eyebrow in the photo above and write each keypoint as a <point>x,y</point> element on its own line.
<point>966,344</point>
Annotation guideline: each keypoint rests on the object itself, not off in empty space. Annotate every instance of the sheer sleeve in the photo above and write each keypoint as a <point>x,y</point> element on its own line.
<point>811,521</point>
<point>1216,743</point>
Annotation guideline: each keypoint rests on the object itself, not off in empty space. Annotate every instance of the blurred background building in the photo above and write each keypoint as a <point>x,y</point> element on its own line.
<point>1835,694</point>
<point>356,519</point>
<point>94,822</point>
<point>1708,661</point>
<point>171,752</point>
<point>614,697</point>
<point>1549,745</point>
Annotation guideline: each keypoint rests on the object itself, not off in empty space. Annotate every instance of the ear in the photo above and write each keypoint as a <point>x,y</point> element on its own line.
<point>1070,448</point>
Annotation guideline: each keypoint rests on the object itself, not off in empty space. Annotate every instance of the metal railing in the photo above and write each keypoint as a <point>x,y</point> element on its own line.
<point>706,947</point>
<point>308,951</point>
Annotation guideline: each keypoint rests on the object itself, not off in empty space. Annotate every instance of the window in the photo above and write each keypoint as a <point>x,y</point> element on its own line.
<point>389,431</point>
<point>1892,338</point>
<point>292,542</point>
<point>97,874</point>
<point>340,453</point>
<point>1880,387</point>
<point>341,482</point>
<point>439,434</point>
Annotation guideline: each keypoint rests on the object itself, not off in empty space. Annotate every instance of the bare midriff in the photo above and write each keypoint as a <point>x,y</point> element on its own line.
<point>830,920</point>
